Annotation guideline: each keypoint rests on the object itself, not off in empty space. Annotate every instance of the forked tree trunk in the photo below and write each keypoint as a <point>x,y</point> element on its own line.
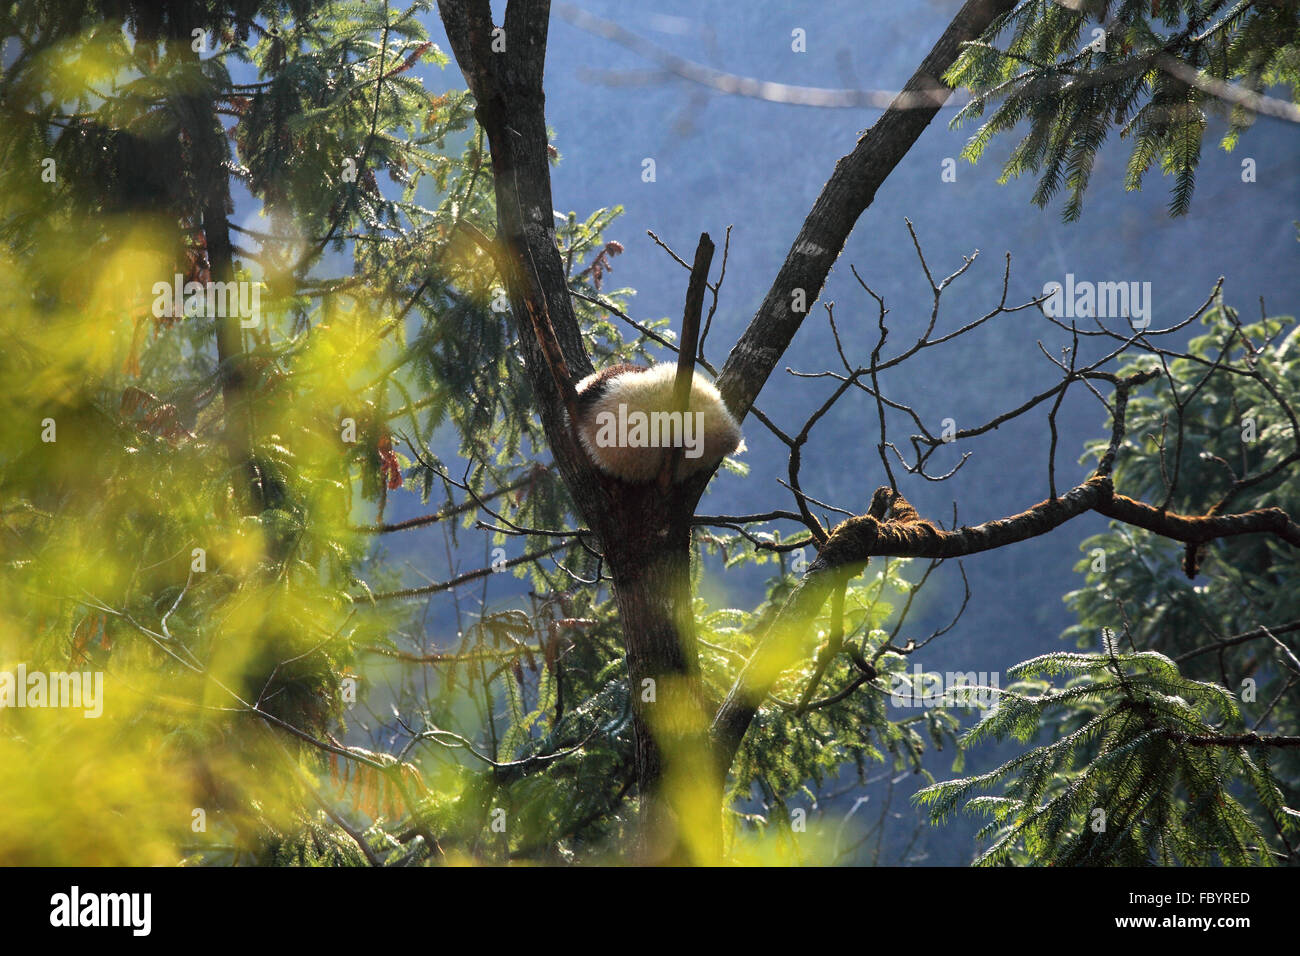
<point>645,532</point>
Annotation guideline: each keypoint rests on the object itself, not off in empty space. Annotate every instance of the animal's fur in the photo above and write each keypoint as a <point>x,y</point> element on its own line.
<point>650,390</point>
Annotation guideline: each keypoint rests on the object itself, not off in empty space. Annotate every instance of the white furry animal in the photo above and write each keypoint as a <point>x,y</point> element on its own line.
<point>627,423</point>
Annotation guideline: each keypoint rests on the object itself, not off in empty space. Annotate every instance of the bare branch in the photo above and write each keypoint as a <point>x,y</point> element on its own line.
<point>691,317</point>
<point>460,579</point>
<point>843,199</point>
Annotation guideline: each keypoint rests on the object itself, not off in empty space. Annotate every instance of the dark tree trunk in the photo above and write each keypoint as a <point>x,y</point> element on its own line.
<point>647,544</point>
<point>202,123</point>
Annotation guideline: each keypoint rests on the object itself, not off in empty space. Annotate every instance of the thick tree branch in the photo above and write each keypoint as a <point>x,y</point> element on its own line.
<point>855,541</point>
<point>848,192</point>
<point>1197,529</point>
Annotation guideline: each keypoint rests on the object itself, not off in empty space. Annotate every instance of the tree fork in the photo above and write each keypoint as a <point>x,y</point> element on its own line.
<point>644,530</point>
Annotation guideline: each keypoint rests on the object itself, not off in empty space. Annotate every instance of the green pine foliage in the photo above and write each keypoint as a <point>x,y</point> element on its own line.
<point>823,721</point>
<point>1146,763</point>
<point>1125,782</point>
<point>1071,73</point>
